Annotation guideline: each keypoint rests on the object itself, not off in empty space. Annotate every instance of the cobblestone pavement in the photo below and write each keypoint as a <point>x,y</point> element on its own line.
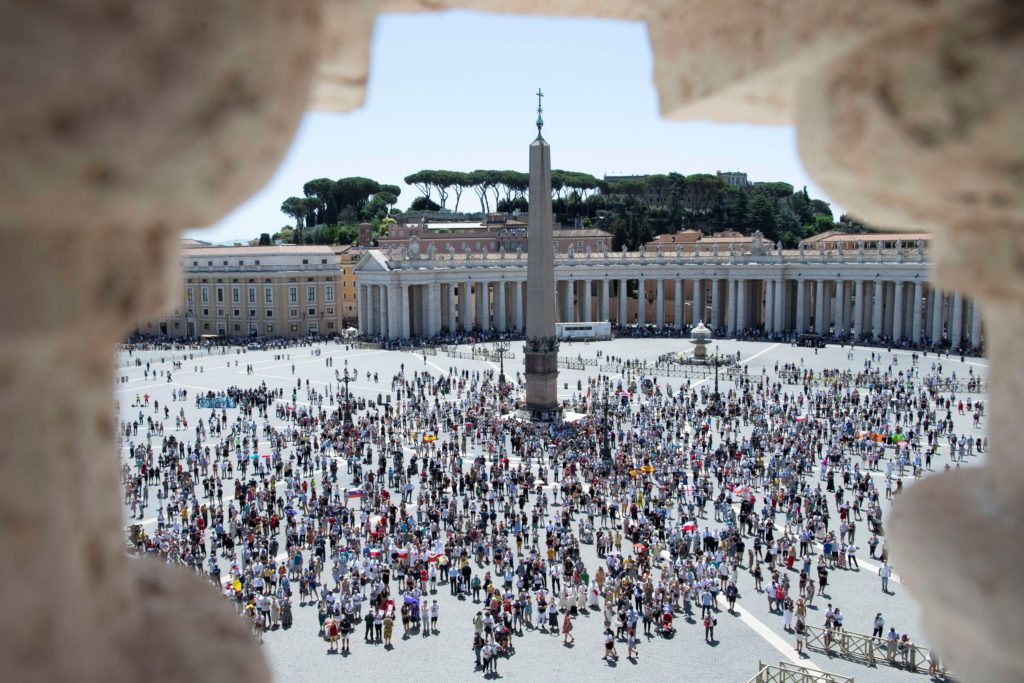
<point>742,640</point>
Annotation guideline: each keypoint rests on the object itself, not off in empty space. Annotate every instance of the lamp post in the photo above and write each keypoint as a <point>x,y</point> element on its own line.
<point>606,449</point>
<point>501,348</point>
<point>346,378</point>
<point>716,378</point>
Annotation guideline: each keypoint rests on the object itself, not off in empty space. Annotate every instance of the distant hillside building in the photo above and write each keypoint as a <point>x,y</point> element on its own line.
<point>734,178</point>
<point>497,231</point>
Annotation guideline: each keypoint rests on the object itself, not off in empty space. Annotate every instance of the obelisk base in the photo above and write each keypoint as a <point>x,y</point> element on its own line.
<point>542,385</point>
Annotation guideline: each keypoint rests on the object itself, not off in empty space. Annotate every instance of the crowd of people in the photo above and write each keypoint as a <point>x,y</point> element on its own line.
<point>366,509</point>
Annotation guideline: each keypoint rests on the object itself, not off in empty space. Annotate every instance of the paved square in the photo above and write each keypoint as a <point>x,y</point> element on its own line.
<point>495,458</point>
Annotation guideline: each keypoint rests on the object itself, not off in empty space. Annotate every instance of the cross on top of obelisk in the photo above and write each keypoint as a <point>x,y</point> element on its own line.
<point>540,111</point>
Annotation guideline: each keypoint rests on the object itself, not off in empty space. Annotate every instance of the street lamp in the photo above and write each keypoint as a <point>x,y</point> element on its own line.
<point>606,449</point>
<point>500,349</point>
<point>346,378</point>
<point>716,397</point>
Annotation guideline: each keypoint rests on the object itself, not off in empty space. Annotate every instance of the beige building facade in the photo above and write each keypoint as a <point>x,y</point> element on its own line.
<point>235,292</point>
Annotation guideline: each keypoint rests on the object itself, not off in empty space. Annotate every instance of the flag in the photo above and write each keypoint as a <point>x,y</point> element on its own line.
<point>374,552</point>
<point>433,557</point>
<point>356,493</point>
<point>403,553</point>
<point>429,438</point>
<point>690,526</point>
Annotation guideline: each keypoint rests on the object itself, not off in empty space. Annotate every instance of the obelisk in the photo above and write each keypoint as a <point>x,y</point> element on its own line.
<point>541,349</point>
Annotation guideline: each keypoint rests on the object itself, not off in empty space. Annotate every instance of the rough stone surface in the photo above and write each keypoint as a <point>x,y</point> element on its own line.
<point>124,123</point>
<point>164,113</point>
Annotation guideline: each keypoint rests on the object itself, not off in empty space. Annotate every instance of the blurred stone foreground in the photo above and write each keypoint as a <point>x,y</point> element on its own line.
<point>124,123</point>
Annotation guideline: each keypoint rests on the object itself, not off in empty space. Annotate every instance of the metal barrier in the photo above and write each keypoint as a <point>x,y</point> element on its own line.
<point>868,649</point>
<point>792,673</point>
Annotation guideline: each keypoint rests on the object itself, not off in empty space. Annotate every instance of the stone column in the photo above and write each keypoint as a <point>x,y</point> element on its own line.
<point>779,290</point>
<point>858,309</point>
<point>587,301</point>
<point>517,306</point>
<point>956,324</point>
<point>465,316</point>
<point>878,289</point>
<point>769,304</point>
<point>801,305</point>
<point>452,308</point>
<point>975,324</point>
<point>915,332</point>
<point>483,306</point>
<point>937,305</point>
<point>384,318</point>
<point>741,305</point>
<point>500,317</point>
<point>361,308</point>
<point>404,323</point>
<point>716,303</point>
<point>679,320</point>
<point>641,302</point>
<point>697,314</point>
<point>605,299</point>
<point>842,325</point>
<point>623,302</point>
<point>730,315</point>
<point>820,313</point>
<point>659,303</point>
<point>897,312</point>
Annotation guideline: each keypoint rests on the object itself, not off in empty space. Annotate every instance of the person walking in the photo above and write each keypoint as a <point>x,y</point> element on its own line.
<point>567,630</point>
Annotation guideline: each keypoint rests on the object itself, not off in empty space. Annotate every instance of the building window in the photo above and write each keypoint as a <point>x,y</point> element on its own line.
<point>323,261</point>
<point>205,293</point>
<point>252,312</point>
<point>305,261</point>
<point>293,295</point>
<point>312,311</point>
<point>177,325</point>
<point>209,263</point>
<point>206,326</point>
<point>293,313</point>
<point>268,295</point>
<point>234,295</point>
<point>330,325</point>
<point>330,311</point>
<point>257,262</point>
<point>220,295</point>
<point>237,313</point>
<point>329,293</point>
<point>189,294</point>
<point>270,313</point>
<point>220,312</point>
<point>252,295</point>
<point>206,311</point>
<point>241,262</point>
<point>310,294</point>
<point>237,328</point>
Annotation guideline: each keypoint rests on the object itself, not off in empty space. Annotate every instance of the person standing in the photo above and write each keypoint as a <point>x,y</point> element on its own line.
<point>885,571</point>
<point>879,627</point>
<point>709,628</point>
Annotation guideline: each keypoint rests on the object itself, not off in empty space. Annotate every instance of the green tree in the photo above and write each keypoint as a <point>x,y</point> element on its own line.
<point>264,239</point>
<point>424,204</point>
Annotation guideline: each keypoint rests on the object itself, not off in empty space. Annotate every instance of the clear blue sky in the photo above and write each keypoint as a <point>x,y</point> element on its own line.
<point>455,90</point>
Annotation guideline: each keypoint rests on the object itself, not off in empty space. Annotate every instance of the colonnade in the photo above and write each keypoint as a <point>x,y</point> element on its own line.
<point>865,307</point>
